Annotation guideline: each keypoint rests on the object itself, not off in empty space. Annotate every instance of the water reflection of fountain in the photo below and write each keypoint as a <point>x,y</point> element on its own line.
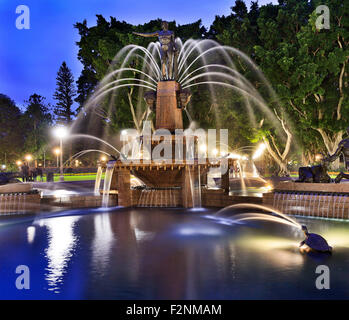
<point>61,245</point>
<point>31,234</point>
<point>102,243</point>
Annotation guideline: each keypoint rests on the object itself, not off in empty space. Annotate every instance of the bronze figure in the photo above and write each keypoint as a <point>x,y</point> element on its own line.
<point>168,51</point>
<point>343,148</point>
<point>150,99</point>
<point>314,174</point>
<point>184,98</point>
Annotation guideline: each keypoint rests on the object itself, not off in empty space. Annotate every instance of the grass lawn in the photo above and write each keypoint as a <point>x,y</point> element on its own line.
<point>92,176</point>
<point>73,177</point>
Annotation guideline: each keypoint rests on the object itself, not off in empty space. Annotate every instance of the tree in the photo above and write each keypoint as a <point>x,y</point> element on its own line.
<point>64,94</point>
<point>241,30</point>
<point>36,119</point>
<point>86,83</point>
<point>11,132</point>
<point>308,67</point>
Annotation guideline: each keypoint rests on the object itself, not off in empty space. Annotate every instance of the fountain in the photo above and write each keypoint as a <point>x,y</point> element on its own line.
<point>167,180</point>
<point>169,161</point>
<point>247,250</point>
<point>170,85</point>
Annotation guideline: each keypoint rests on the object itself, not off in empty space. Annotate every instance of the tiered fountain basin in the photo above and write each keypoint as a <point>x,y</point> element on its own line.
<point>325,200</point>
<point>172,185</point>
<point>22,198</point>
<point>18,198</point>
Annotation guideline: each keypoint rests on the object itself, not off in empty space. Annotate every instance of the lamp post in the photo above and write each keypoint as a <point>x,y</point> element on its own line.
<point>61,132</point>
<point>57,152</point>
<point>29,158</point>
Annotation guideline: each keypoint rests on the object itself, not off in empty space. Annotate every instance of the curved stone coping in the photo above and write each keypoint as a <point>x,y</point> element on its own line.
<point>16,188</point>
<point>156,165</point>
<point>312,187</point>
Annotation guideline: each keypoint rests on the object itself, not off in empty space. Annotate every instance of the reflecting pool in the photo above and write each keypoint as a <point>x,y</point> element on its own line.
<point>161,253</point>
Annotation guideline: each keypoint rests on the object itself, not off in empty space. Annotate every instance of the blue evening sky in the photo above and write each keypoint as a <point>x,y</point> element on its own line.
<point>29,59</point>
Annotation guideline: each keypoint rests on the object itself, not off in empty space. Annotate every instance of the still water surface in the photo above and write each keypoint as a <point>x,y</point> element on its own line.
<point>166,254</point>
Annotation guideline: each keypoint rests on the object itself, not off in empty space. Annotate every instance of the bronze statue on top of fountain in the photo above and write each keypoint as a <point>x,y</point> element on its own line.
<point>168,50</point>
<point>343,148</point>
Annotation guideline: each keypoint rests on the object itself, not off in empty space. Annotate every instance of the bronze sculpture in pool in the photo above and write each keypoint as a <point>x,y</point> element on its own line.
<point>314,242</point>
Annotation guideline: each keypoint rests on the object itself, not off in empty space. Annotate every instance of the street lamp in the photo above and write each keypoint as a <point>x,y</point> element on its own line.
<point>29,158</point>
<point>57,152</point>
<point>61,133</point>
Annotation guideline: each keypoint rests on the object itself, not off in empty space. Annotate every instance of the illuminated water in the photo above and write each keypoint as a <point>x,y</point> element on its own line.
<point>166,254</point>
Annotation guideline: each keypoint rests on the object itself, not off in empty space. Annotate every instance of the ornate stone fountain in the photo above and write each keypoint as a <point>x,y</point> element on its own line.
<point>169,183</point>
<point>170,175</point>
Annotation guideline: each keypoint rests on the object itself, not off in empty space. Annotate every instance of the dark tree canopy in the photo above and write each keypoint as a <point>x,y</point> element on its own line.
<point>64,94</point>
<point>11,135</point>
<point>36,121</point>
<point>307,68</point>
<point>99,44</point>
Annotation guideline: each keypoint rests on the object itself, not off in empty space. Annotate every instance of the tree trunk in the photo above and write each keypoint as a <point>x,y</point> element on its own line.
<point>305,159</point>
<point>282,163</point>
<point>281,158</point>
<point>331,143</point>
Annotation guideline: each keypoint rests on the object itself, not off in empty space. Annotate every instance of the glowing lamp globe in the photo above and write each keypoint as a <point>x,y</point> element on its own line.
<point>60,132</point>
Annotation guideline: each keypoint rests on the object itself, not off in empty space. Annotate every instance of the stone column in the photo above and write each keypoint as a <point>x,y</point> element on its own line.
<point>187,199</point>
<point>168,116</point>
<point>203,176</point>
<point>124,187</point>
<point>114,180</point>
<point>225,179</point>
